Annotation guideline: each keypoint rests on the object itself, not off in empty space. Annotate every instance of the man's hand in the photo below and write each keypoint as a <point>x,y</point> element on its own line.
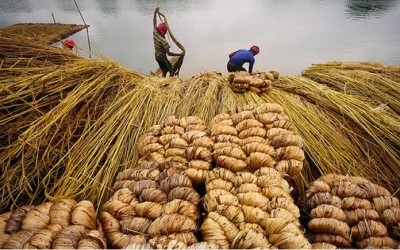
<point>183,53</point>
<point>157,9</point>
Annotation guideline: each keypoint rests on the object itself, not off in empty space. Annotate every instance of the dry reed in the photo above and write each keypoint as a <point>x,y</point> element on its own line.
<point>206,95</point>
<point>46,139</point>
<point>45,32</point>
<point>69,124</point>
<point>373,132</point>
<point>378,89</point>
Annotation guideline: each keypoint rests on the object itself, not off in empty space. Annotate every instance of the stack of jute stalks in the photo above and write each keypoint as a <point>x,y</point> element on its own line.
<point>154,205</point>
<point>343,133</point>
<point>19,52</point>
<point>255,136</point>
<point>43,32</point>
<point>63,223</point>
<point>73,143</point>
<point>206,95</point>
<point>376,83</point>
<point>248,201</point>
<point>350,211</point>
<point>259,82</point>
<point>247,210</point>
<point>185,140</point>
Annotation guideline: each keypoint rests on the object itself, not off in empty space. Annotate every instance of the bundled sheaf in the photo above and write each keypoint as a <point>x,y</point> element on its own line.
<point>184,140</point>
<point>63,223</point>
<point>154,205</point>
<point>350,211</point>
<point>69,124</point>
<point>251,210</point>
<point>256,136</point>
<point>259,82</point>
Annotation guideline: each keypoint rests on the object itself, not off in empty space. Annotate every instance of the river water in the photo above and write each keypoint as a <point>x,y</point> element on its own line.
<point>291,34</point>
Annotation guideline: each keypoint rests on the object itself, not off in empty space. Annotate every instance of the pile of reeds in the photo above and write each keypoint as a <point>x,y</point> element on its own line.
<point>371,132</point>
<point>44,32</point>
<point>100,114</point>
<point>69,124</point>
<point>373,82</point>
<point>18,51</point>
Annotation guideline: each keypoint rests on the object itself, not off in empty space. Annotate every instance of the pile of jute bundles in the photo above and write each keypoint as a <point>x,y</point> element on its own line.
<point>185,140</point>
<point>64,223</point>
<point>155,204</point>
<point>352,212</point>
<point>259,82</point>
<point>247,199</point>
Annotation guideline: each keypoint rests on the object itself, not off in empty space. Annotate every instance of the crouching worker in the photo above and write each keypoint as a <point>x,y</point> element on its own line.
<point>238,58</point>
<point>69,45</point>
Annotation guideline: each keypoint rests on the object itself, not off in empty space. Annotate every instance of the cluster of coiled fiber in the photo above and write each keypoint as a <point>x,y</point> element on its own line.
<point>260,82</point>
<point>254,137</point>
<point>251,210</point>
<point>184,140</point>
<point>153,205</point>
<point>349,211</point>
<point>63,223</point>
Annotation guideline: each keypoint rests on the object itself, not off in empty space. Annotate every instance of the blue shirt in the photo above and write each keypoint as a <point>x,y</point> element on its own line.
<point>242,56</point>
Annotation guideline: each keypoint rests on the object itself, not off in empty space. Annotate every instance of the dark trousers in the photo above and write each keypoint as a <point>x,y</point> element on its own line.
<point>233,68</point>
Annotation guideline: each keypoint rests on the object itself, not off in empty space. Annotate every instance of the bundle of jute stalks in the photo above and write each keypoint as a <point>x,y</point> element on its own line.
<point>17,51</point>
<point>255,136</point>
<point>185,140</point>
<point>154,206</point>
<point>247,210</point>
<point>63,223</point>
<point>350,211</point>
<point>259,82</point>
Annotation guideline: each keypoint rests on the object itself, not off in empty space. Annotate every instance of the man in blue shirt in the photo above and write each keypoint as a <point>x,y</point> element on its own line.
<point>238,58</point>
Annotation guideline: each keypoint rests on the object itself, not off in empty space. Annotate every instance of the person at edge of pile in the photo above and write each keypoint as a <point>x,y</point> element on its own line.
<point>69,45</point>
<point>241,56</point>
<point>161,46</point>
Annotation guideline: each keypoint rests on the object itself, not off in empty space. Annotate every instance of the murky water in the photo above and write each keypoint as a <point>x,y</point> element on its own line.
<point>291,34</point>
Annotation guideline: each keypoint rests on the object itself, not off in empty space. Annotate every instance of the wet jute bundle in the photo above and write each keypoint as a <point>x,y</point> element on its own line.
<point>350,211</point>
<point>63,223</point>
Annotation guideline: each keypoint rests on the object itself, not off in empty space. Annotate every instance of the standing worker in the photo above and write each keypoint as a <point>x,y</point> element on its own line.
<point>238,58</point>
<point>161,46</point>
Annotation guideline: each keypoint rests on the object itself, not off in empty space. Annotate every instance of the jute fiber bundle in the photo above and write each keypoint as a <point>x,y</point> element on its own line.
<point>259,82</point>
<point>77,94</point>
<point>323,246</point>
<point>243,209</point>
<point>350,211</point>
<point>256,136</point>
<point>45,32</point>
<point>154,205</point>
<point>374,82</point>
<point>17,51</point>
<point>63,223</point>
<point>185,140</point>
<point>94,101</point>
<point>205,95</point>
<point>354,128</point>
<point>173,244</point>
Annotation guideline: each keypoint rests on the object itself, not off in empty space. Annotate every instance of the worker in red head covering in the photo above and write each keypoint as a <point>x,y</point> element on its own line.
<point>161,45</point>
<point>69,44</point>
<point>239,57</point>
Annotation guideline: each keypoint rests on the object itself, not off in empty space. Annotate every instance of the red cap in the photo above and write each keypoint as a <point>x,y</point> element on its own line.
<point>255,49</point>
<point>162,28</point>
<point>69,43</point>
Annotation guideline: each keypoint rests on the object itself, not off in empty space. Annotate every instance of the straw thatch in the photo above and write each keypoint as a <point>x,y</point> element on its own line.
<point>69,124</point>
<point>44,32</point>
